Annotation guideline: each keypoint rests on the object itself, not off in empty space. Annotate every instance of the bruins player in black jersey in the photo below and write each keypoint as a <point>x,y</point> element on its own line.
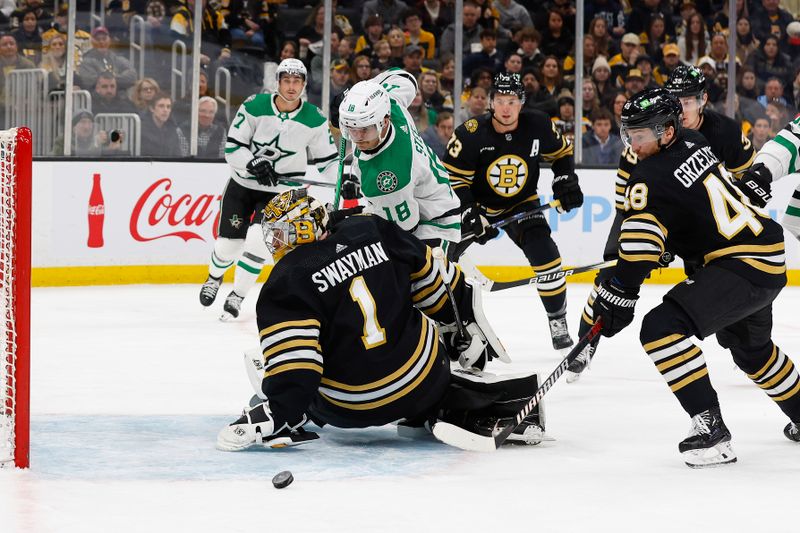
<point>727,142</point>
<point>680,197</point>
<point>348,330</point>
<point>493,161</point>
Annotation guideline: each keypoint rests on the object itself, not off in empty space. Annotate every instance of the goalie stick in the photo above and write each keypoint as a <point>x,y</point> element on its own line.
<point>304,181</point>
<point>467,440</point>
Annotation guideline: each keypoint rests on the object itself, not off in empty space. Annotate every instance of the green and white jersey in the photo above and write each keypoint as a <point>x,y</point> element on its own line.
<point>403,180</point>
<point>290,140</point>
<point>779,155</point>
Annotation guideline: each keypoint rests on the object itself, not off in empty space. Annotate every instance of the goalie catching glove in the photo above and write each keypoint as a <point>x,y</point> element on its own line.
<point>615,305</point>
<point>256,427</point>
<point>756,184</point>
<point>473,220</point>
<point>567,191</point>
<point>261,169</point>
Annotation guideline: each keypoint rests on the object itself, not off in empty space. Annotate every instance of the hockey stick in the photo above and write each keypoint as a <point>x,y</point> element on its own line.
<point>492,286</point>
<point>338,192</point>
<point>467,440</point>
<point>514,218</point>
<point>304,181</point>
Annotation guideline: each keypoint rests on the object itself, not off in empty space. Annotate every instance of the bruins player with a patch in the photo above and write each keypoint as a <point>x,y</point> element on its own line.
<point>493,161</point>
<point>348,326</point>
<point>728,143</point>
<point>680,197</point>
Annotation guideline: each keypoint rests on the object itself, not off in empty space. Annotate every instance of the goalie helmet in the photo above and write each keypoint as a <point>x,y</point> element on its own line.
<point>290,219</point>
<point>291,66</point>
<point>652,108</point>
<point>362,111</point>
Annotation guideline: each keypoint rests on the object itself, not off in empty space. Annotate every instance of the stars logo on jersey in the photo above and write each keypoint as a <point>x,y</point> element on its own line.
<point>507,175</point>
<point>236,221</point>
<point>471,125</point>
<point>386,181</point>
<point>271,150</point>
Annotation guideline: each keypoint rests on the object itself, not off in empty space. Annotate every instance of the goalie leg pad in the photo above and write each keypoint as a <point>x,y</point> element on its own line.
<point>254,367</point>
<point>482,325</point>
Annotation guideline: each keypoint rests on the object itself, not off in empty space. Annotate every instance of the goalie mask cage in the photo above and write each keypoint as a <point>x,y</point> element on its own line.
<point>15,259</point>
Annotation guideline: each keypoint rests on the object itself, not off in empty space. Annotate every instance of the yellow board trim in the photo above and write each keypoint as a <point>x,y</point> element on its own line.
<point>79,276</point>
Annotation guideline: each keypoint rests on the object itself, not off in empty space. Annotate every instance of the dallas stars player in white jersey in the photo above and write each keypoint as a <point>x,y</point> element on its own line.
<point>400,176</point>
<point>272,137</point>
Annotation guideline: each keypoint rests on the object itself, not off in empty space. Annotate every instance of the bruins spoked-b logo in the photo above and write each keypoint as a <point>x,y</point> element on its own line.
<point>386,181</point>
<point>507,175</point>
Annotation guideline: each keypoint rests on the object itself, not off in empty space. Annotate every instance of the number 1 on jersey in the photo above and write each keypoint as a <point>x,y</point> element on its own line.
<point>374,334</point>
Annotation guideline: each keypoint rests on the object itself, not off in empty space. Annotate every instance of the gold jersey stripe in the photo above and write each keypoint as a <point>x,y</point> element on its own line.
<point>744,249</point>
<point>553,292</point>
<point>427,291</point>
<point>289,324</point>
<point>788,394</point>
<point>391,377</point>
<point>397,395</point>
<point>777,378</point>
<point>438,306</point>
<point>764,267</point>
<point>426,269</point>
<point>739,169</point>
<point>651,346</point>
<point>640,235</point>
<point>678,359</point>
<point>622,174</point>
<point>457,170</point>
<point>687,380</point>
<point>293,366</point>
<point>640,257</point>
<point>495,212</point>
<point>552,264</point>
<point>649,218</point>
<point>297,343</point>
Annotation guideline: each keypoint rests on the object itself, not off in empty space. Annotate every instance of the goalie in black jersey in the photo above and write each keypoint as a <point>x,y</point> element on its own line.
<point>680,197</point>
<point>728,143</point>
<point>493,161</point>
<point>348,324</point>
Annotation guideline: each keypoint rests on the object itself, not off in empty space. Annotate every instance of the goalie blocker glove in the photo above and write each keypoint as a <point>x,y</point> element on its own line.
<point>756,184</point>
<point>474,221</point>
<point>256,427</point>
<point>261,168</point>
<point>615,305</point>
<point>567,191</point>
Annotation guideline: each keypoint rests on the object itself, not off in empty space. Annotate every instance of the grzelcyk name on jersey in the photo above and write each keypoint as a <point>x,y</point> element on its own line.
<point>346,267</point>
<point>694,167</point>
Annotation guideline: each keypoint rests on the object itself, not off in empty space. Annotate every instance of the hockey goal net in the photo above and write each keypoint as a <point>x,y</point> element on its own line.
<point>15,254</point>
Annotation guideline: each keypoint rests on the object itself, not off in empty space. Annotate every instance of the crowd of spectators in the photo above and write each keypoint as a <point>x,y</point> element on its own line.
<point>628,45</point>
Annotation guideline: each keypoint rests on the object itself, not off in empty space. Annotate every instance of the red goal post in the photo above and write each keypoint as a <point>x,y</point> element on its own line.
<point>15,284</point>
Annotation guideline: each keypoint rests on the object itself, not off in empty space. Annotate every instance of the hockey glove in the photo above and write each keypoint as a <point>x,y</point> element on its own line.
<point>474,221</point>
<point>351,189</point>
<point>256,427</point>
<point>756,184</point>
<point>337,215</point>
<point>567,191</point>
<point>261,168</point>
<point>615,305</point>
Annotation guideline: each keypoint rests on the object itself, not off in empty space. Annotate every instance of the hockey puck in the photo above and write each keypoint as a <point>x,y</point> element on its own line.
<point>282,479</point>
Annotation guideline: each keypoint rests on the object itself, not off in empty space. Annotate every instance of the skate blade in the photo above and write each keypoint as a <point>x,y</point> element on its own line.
<point>227,317</point>
<point>718,455</point>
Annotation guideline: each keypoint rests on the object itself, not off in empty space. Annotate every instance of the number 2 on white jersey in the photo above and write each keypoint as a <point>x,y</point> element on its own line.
<point>374,334</point>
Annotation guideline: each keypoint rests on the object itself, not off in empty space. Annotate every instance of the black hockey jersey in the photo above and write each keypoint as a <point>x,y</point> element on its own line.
<point>500,171</point>
<point>342,327</point>
<point>722,133</point>
<point>682,199</point>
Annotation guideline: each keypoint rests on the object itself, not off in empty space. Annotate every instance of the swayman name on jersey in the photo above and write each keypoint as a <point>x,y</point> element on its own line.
<point>696,166</point>
<point>349,265</point>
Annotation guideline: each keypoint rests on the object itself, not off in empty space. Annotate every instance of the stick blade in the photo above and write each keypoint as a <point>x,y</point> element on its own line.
<point>461,438</point>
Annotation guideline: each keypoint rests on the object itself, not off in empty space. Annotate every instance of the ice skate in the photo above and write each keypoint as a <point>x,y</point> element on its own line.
<point>233,304</point>
<point>209,290</point>
<point>559,332</point>
<point>792,431</point>
<point>709,441</point>
<point>580,363</point>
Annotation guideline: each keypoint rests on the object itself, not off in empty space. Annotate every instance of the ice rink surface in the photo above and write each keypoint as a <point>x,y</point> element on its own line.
<point>131,384</point>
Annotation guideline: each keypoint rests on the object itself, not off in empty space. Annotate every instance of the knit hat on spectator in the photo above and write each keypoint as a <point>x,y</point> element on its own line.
<point>601,62</point>
<point>631,38</point>
<point>793,31</point>
<point>706,60</point>
<point>644,57</point>
<point>80,115</point>
<point>671,49</point>
<point>566,98</point>
<point>98,30</point>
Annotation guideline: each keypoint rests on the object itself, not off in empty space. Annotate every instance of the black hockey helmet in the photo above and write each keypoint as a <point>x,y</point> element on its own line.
<point>508,83</point>
<point>652,108</point>
<point>686,80</point>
